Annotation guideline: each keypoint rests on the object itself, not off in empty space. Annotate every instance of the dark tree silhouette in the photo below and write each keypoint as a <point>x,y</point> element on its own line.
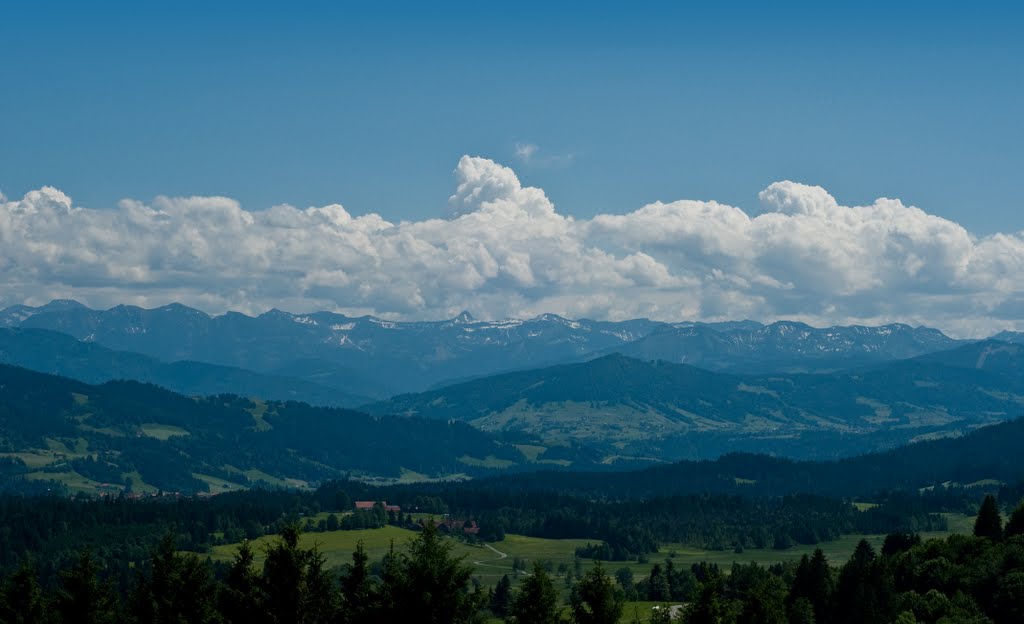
<point>814,582</point>
<point>22,600</point>
<point>435,584</point>
<point>82,597</point>
<point>989,523</point>
<point>536,602</point>
<point>357,590</point>
<point>1015,525</point>
<point>709,607</point>
<point>596,599</point>
<point>297,588</point>
<point>176,588</point>
<point>858,593</point>
<point>501,597</point>
<point>240,598</point>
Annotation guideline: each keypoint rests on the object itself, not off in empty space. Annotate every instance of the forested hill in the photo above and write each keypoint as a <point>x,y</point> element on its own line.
<point>58,432</point>
<point>628,407</point>
<point>989,453</point>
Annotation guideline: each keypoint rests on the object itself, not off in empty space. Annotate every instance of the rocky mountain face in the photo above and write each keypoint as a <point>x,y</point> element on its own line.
<point>785,346</point>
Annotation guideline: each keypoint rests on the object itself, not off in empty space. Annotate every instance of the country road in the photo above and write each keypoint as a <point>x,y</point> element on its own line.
<point>490,563</point>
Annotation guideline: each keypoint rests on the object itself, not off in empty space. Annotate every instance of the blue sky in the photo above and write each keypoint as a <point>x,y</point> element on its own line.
<point>372,104</point>
<point>169,129</point>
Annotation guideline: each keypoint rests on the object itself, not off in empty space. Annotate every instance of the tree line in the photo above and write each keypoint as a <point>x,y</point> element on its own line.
<point>977,579</point>
<point>121,530</point>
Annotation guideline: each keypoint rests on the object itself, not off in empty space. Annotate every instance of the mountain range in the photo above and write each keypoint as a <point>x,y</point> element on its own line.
<point>361,356</point>
<point>551,390</point>
<point>784,346</point>
<point>376,358</point>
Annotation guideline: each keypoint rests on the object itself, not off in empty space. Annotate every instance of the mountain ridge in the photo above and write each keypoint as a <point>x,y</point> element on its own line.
<point>380,358</point>
<point>55,353</point>
<point>667,410</point>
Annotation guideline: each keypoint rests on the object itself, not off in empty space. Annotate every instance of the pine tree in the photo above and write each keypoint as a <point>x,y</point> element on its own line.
<point>1015,525</point>
<point>989,523</point>
<point>682,582</point>
<point>814,582</point>
<point>434,588</point>
<point>857,593</point>
<point>239,599</point>
<point>297,588</point>
<point>390,591</point>
<point>536,602</point>
<point>765,603</point>
<point>321,600</point>
<point>595,599</point>
<point>81,596</point>
<point>283,580</point>
<point>658,588</point>
<point>709,607</point>
<point>357,590</point>
<point>501,597</point>
<point>22,599</point>
<point>175,588</point>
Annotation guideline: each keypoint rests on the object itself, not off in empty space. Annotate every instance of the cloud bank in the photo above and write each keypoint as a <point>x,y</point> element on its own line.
<point>505,251</point>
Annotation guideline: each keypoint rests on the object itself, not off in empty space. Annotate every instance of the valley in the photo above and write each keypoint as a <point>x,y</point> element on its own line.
<point>682,456</point>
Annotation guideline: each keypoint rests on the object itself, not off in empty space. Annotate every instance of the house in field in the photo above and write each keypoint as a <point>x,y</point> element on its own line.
<point>454,526</point>
<point>369,505</point>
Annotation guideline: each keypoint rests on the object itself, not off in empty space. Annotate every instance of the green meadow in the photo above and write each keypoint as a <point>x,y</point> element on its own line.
<point>491,561</point>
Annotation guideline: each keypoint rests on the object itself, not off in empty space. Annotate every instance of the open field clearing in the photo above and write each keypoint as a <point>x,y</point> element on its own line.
<point>492,561</point>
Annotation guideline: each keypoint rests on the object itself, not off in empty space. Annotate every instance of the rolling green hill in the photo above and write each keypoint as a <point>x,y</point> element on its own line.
<point>103,437</point>
<point>987,456</point>
<point>631,408</point>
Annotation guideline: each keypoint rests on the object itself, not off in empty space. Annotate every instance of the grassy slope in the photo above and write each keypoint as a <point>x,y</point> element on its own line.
<point>615,402</point>
<point>337,546</point>
<point>489,567</point>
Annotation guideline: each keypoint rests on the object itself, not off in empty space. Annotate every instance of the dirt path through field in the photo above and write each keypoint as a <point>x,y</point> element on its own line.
<point>490,563</point>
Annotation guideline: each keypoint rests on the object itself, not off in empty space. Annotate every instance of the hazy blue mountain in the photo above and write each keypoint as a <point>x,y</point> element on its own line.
<point>1010,336</point>
<point>632,408</point>
<point>993,355</point>
<point>384,357</point>
<point>60,354</point>
<point>784,346</point>
<point>379,358</point>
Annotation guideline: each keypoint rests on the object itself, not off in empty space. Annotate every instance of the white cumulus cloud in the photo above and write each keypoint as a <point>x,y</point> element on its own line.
<point>504,250</point>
